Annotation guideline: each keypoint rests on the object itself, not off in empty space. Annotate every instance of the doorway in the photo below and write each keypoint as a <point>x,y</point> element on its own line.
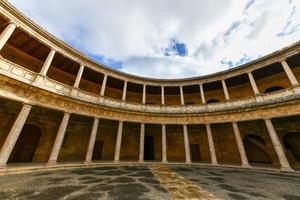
<point>97,153</point>
<point>149,148</point>
<point>195,152</point>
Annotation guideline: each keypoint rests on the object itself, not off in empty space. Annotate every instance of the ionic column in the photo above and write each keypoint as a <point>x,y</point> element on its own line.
<point>103,85</point>
<point>5,35</point>
<point>142,142</point>
<point>289,73</point>
<point>14,135</point>
<point>164,144</point>
<point>181,96</point>
<point>253,83</point>
<point>202,94</point>
<point>79,75</point>
<point>240,145</point>
<point>211,145</point>
<point>162,95</point>
<point>186,144</point>
<point>225,90</point>
<point>144,94</point>
<point>124,91</point>
<point>285,166</point>
<point>47,63</point>
<point>118,142</point>
<point>59,139</point>
<point>89,154</point>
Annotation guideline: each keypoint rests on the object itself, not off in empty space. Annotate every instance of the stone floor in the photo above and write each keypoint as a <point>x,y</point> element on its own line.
<point>153,182</point>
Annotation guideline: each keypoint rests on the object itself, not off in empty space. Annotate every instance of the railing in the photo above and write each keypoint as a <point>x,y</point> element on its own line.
<point>22,74</point>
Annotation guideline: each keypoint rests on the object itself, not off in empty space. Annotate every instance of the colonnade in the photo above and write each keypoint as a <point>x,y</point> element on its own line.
<point>21,119</point>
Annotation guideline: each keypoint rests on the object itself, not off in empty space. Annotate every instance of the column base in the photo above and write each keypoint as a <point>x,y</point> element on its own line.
<point>116,161</point>
<point>141,161</point>
<point>51,163</point>
<point>246,166</point>
<point>165,162</point>
<point>39,80</point>
<point>88,162</point>
<point>188,162</point>
<point>3,166</point>
<point>215,164</point>
<point>286,169</point>
<point>74,92</point>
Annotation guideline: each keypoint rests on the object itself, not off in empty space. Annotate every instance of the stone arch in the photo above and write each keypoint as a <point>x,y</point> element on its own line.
<point>212,101</point>
<point>291,142</point>
<point>273,89</point>
<point>26,144</point>
<point>256,149</point>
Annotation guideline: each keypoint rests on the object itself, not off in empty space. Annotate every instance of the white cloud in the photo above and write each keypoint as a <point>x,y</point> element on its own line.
<point>137,32</point>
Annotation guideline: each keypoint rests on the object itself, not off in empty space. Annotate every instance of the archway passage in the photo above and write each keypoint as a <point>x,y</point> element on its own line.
<point>26,145</point>
<point>256,149</point>
<point>195,152</point>
<point>273,89</point>
<point>291,142</point>
<point>149,148</point>
<point>97,153</point>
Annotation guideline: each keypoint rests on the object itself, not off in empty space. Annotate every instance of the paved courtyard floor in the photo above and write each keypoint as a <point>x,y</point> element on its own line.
<point>153,182</point>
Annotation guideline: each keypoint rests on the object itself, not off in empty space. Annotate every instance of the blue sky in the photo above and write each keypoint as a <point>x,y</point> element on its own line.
<point>169,38</point>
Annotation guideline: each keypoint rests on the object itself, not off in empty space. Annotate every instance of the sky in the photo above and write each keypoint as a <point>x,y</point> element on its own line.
<point>169,38</point>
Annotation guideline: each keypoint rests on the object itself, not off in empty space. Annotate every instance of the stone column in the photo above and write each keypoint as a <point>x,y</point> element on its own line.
<point>142,142</point>
<point>103,85</point>
<point>78,77</point>
<point>89,154</point>
<point>144,94</point>
<point>253,83</point>
<point>225,90</point>
<point>240,145</point>
<point>186,145</point>
<point>163,95</point>
<point>14,135</point>
<point>5,35</point>
<point>124,91</point>
<point>289,73</point>
<point>285,166</point>
<point>118,142</point>
<point>202,94</point>
<point>164,144</point>
<point>47,63</point>
<point>211,145</point>
<point>59,139</point>
<point>181,96</point>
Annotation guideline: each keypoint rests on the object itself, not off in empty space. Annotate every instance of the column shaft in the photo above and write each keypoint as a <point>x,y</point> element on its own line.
<point>59,139</point>
<point>5,35</point>
<point>89,154</point>
<point>253,83</point>
<point>14,134</point>
<point>285,166</point>
<point>186,144</point>
<point>181,96</point>
<point>225,90</point>
<point>79,75</point>
<point>240,145</point>
<point>164,144</point>
<point>118,142</point>
<point>103,85</point>
<point>144,94</point>
<point>289,73</point>
<point>202,94</point>
<point>162,95</point>
<point>124,91</point>
<point>142,142</point>
<point>211,145</point>
<point>47,63</point>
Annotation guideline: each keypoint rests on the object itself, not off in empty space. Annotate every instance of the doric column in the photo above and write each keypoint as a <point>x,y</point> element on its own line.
<point>5,35</point>
<point>89,154</point>
<point>79,75</point>
<point>103,85</point>
<point>285,166</point>
<point>253,83</point>
<point>14,134</point>
<point>289,73</point>
<point>240,145</point>
<point>47,63</point>
<point>144,94</point>
<point>163,95</point>
<point>211,145</point>
<point>186,144</point>
<point>164,143</point>
<point>202,94</point>
<point>59,139</point>
<point>225,90</point>
<point>181,96</point>
<point>118,142</point>
<point>142,142</point>
<point>124,91</point>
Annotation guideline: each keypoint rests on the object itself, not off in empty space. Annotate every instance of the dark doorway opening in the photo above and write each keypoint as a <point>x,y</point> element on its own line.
<point>149,148</point>
<point>97,153</point>
<point>291,142</point>
<point>26,145</point>
<point>195,152</point>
